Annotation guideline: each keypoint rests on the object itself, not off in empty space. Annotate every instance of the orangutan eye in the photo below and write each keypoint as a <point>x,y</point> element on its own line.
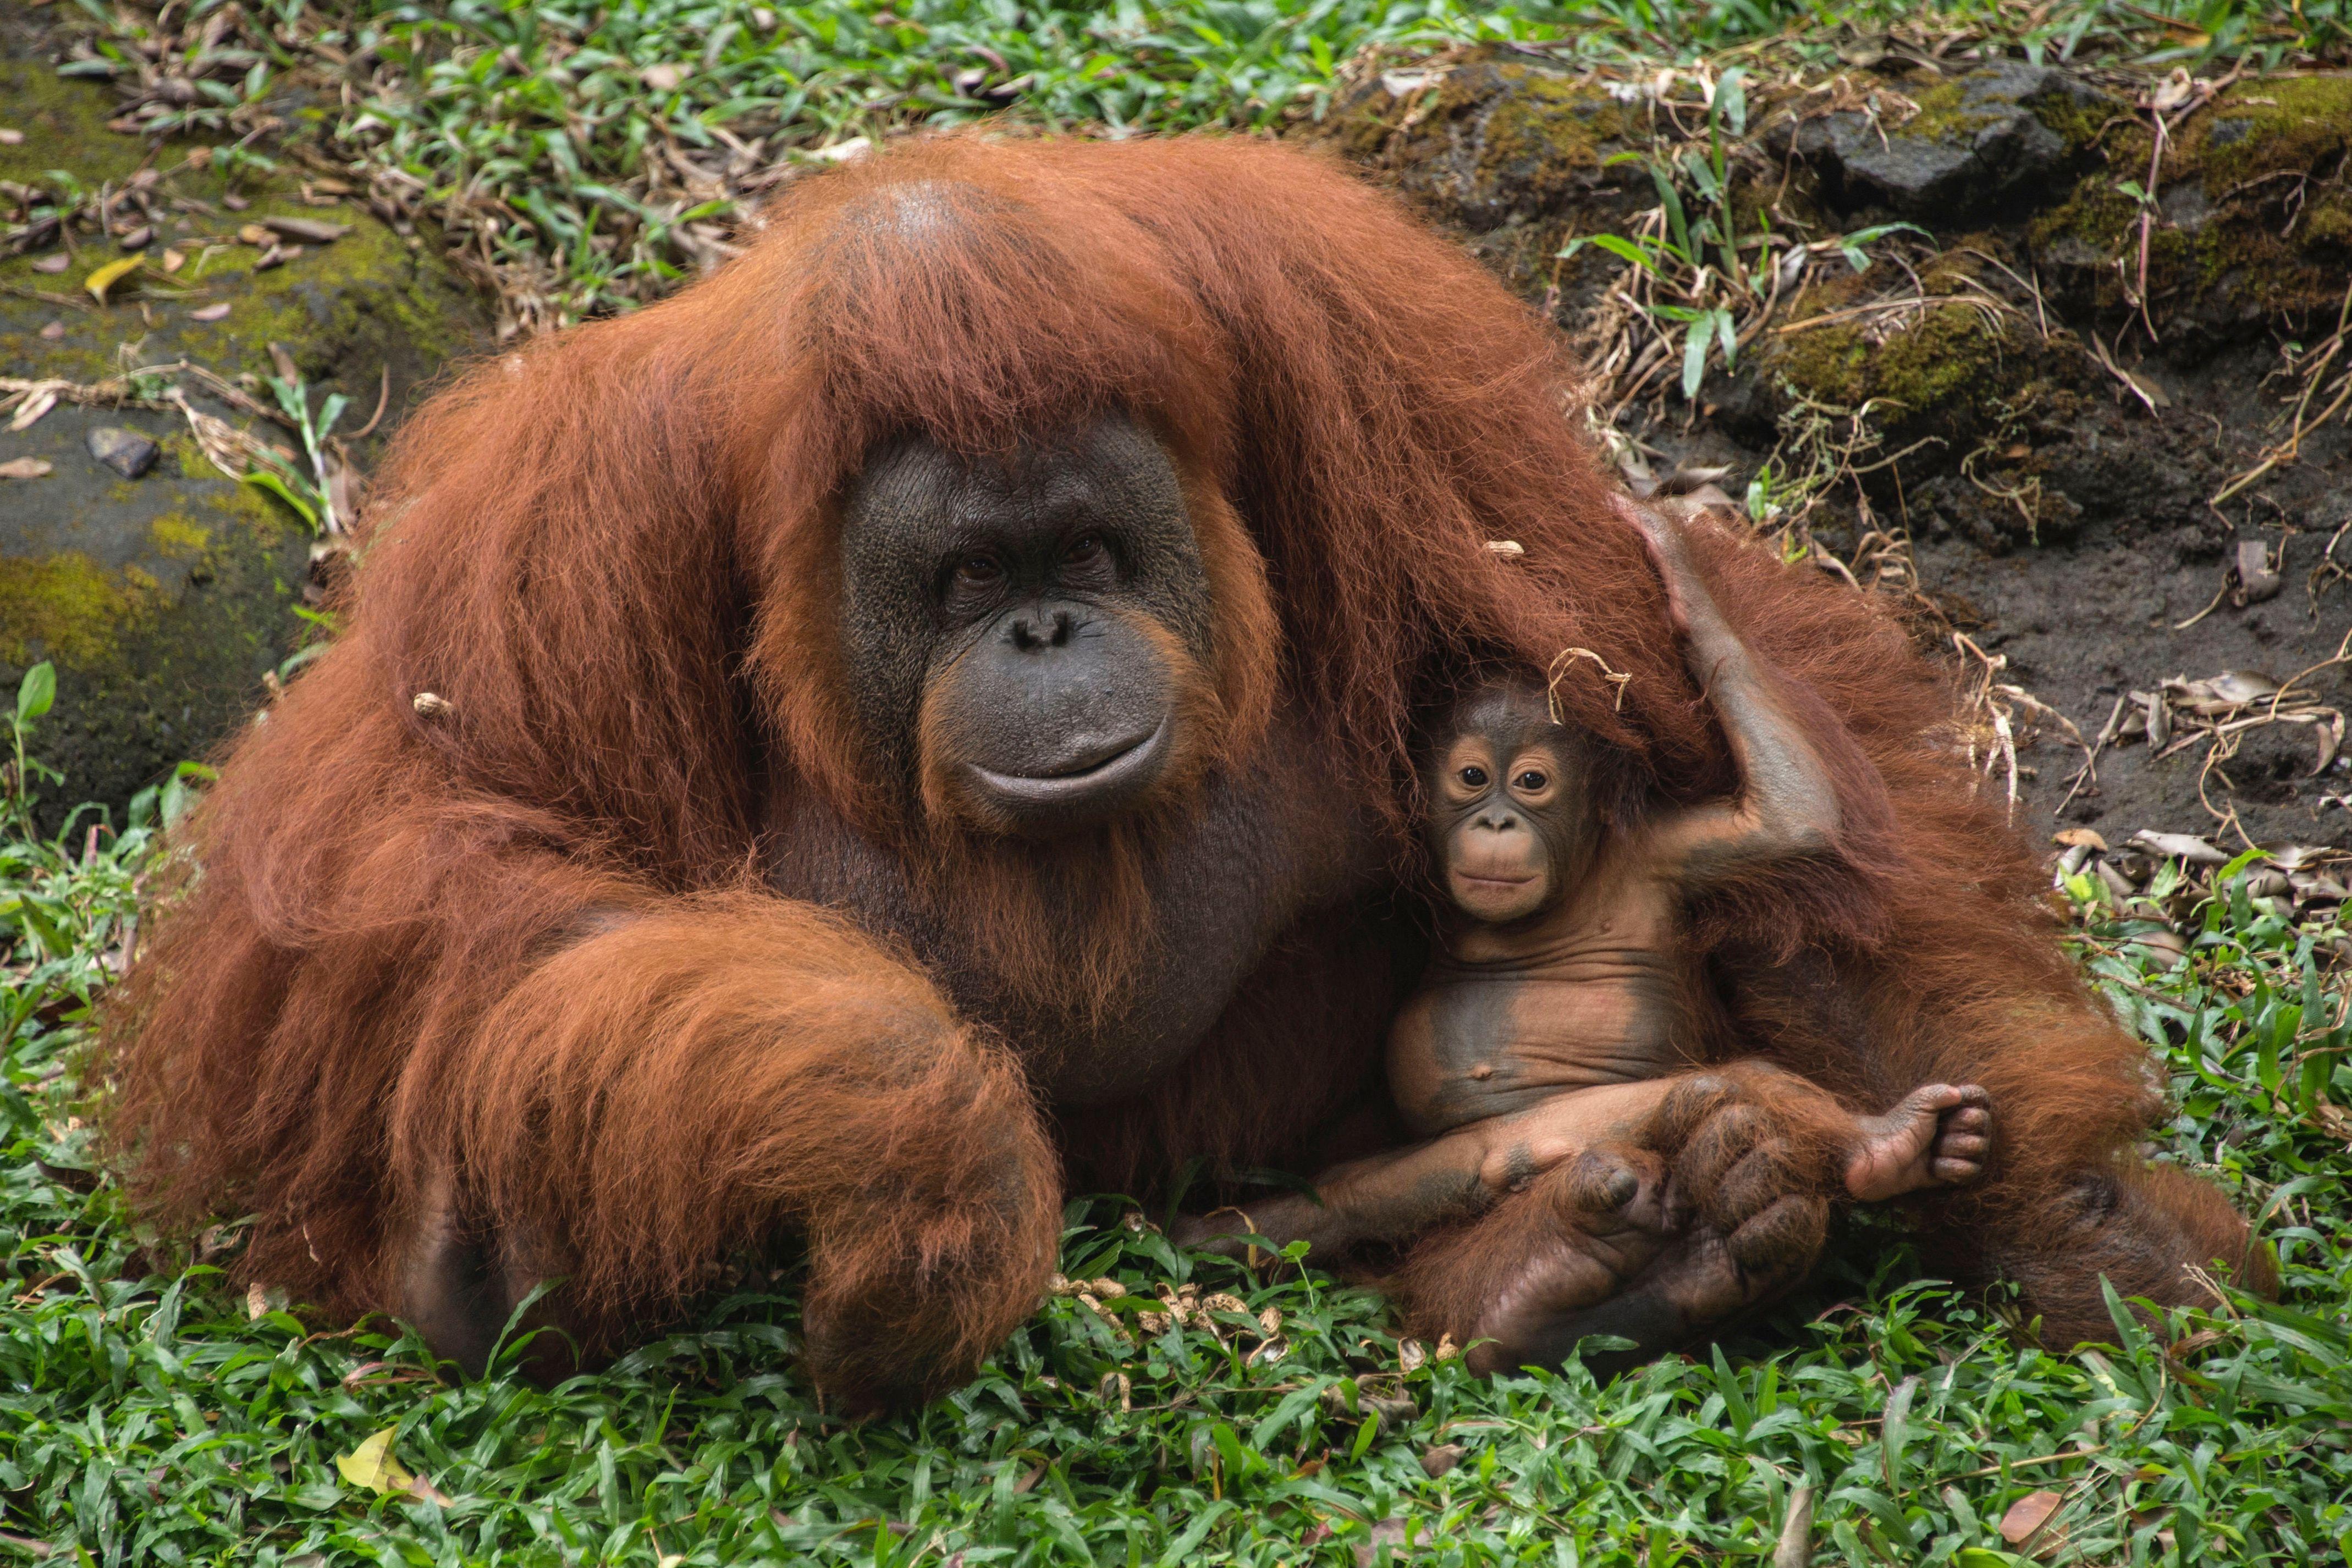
<point>1475,777</point>
<point>978,571</point>
<point>1084,550</point>
<point>1531,782</point>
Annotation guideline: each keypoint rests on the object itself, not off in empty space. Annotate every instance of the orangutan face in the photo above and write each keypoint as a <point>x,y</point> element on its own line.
<point>1512,823</point>
<point>1031,635</point>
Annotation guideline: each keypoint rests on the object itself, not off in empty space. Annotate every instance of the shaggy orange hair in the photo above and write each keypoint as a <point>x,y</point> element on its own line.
<point>525,936</point>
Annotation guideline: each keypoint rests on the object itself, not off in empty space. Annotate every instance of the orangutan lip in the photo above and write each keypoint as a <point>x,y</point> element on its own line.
<point>1111,772</point>
<point>1493,881</point>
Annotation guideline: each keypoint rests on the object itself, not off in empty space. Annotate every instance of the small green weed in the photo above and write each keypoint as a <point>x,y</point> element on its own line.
<point>1168,1409</point>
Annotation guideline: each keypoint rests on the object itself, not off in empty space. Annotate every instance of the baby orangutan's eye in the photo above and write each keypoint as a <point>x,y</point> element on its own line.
<point>1474,777</point>
<point>1531,782</point>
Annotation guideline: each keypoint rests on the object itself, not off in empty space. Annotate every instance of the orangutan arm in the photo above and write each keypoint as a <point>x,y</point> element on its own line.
<point>1398,1196</point>
<point>671,1081</point>
<point>1788,804</point>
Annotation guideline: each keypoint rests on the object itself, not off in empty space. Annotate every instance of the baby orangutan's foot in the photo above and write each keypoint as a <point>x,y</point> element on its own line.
<point>1936,1137</point>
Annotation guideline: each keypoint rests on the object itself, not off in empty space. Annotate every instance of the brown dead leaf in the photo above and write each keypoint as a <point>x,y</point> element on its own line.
<point>55,262</point>
<point>209,312</point>
<point>1389,1533</point>
<point>37,403</point>
<point>253,234</point>
<point>2027,1515</point>
<point>2079,838</point>
<point>310,231</point>
<point>26,468</point>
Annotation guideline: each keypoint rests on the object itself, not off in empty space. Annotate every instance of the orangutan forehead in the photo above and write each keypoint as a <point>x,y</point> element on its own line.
<point>1511,714</point>
<point>1105,470</point>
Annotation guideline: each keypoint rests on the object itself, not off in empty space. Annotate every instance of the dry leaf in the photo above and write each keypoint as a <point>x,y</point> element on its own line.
<point>36,403</point>
<point>11,138</point>
<point>26,468</point>
<point>310,231</point>
<point>56,261</point>
<point>209,312</point>
<point>1389,1533</point>
<point>2027,1515</point>
<point>173,260</point>
<point>112,272</point>
<point>253,234</point>
<point>2078,838</point>
<point>372,1465</point>
<point>662,79</point>
<point>2195,850</point>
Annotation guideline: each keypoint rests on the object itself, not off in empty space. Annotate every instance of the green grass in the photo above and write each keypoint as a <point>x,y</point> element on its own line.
<point>145,1416</point>
<point>541,128</point>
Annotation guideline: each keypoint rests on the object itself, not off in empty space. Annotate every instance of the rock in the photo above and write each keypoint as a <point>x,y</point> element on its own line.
<point>1982,142</point>
<point>126,451</point>
<point>163,603</point>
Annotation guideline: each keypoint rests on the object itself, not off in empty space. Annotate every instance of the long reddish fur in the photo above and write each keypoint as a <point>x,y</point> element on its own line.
<point>528,933</point>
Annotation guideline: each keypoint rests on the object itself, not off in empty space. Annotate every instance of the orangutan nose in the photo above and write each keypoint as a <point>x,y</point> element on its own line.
<point>1032,630</point>
<point>1498,820</point>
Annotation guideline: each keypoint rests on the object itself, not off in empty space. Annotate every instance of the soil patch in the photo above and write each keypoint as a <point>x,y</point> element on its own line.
<point>2031,416</point>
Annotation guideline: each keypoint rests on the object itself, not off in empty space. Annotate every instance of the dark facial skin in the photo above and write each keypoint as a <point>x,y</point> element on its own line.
<point>1029,630</point>
<point>1511,822</point>
<point>1551,1023</point>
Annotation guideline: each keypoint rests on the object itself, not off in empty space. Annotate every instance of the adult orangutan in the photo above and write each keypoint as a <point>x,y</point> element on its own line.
<point>924,719</point>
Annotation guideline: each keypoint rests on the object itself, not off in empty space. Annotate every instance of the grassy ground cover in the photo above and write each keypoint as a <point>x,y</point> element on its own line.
<point>1169,1409</point>
<point>1165,1409</point>
<point>589,154</point>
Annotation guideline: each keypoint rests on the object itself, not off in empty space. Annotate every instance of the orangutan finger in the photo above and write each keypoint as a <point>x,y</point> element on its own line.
<point>1778,1246</point>
<point>1967,1119</point>
<point>1613,1186</point>
<point>1686,1108</point>
<point>1758,1179</point>
<point>1721,1142</point>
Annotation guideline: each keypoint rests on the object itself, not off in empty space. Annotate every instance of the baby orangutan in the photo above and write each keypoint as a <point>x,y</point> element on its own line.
<point>1554,1032</point>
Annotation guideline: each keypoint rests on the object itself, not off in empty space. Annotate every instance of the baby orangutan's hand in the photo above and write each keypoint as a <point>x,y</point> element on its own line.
<point>1661,540</point>
<point>1937,1136</point>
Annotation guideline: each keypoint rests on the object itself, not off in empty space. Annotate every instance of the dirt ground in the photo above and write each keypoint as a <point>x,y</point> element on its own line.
<point>2036,481</point>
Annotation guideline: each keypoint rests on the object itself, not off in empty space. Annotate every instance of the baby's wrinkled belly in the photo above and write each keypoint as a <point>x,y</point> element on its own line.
<point>1467,1050</point>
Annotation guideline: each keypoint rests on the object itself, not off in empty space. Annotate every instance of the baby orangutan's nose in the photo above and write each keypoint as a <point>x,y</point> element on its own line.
<point>1498,820</point>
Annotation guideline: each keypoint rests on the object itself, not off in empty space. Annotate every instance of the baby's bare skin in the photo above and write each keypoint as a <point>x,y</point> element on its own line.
<point>1558,1009</point>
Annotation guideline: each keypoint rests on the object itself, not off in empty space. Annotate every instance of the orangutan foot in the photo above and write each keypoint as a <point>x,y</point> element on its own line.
<point>1936,1137</point>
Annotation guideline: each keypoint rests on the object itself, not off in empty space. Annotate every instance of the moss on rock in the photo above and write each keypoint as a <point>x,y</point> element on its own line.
<point>2253,219</point>
<point>164,600</point>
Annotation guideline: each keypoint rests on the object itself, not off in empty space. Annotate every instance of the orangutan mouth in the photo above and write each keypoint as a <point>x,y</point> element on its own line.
<point>1129,767</point>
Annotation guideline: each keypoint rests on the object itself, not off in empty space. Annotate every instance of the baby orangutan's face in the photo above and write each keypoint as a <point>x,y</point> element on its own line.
<point>1511,826</point>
